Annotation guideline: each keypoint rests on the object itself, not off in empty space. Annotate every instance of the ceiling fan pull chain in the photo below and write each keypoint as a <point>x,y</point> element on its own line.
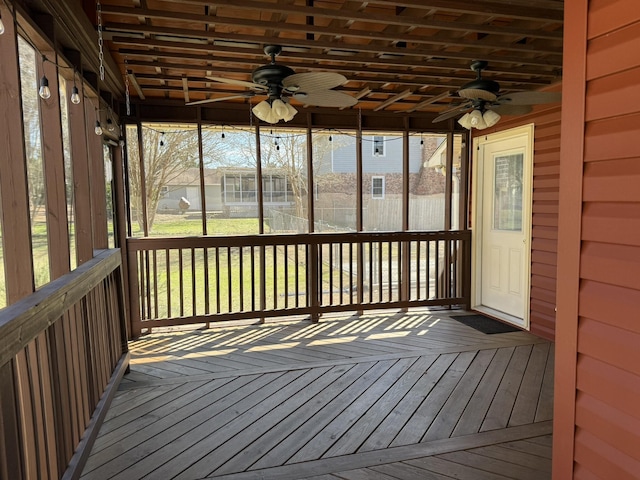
<point>127,95</point>
<point>100,40</point>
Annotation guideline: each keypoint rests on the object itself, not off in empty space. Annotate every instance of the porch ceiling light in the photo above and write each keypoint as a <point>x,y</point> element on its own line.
<point>273,111</point>
<point>478,119</point>
<point>490,118</point>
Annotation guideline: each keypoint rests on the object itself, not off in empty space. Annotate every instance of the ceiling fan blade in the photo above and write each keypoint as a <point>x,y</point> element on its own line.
<point>326,98</point>
<point>529,98</point>
<point>452,112</point>
<point>241,83</point>
<point>510,109</point>
<point>312,81</point>
<point>221,99</point>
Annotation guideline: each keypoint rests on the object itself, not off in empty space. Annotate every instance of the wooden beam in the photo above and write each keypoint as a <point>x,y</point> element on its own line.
<point>409,59</point>
<point>352,15</point>
<point>136,85</point>
<point>429,101</point>
<point>185,89</point>
<point>236,22</point>
<point>553,59</point>
<point>394,99</point>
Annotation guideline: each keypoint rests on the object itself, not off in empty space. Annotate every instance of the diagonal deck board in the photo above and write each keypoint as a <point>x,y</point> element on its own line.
<point>380,395</point>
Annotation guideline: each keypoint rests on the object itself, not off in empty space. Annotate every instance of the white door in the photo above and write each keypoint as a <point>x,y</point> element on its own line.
<point>503,219</point>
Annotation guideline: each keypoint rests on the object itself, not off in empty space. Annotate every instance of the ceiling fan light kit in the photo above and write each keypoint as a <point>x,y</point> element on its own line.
<point>484,103</point>
<point>275,111</point>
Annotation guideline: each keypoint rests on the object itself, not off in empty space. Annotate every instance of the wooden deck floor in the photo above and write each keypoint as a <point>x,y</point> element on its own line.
<point>412,395</point>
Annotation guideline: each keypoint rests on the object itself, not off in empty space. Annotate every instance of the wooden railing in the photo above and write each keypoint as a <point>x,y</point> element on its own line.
<point>176,281</point>
<point>63,349</point>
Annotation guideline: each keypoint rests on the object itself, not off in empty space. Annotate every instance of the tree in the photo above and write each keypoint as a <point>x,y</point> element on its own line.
<point>168,152</point>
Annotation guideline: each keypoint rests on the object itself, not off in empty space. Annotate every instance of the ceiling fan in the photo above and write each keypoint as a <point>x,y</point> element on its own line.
<point>280,83</point>
<point>484,104</point>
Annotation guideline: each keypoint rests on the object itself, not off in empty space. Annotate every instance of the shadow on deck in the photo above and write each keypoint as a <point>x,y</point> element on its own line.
<point>412,395</point>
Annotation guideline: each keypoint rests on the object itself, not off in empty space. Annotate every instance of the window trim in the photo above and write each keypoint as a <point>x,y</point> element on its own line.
<point>383,182</point>
<point>373,146</point>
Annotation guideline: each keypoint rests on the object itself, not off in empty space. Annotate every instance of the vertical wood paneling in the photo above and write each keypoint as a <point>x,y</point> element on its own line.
<point>546,185</point>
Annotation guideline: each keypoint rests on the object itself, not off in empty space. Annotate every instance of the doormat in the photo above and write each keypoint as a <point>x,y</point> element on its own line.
<point>485,324</point>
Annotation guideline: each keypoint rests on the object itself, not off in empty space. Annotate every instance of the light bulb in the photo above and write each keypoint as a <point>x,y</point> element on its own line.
<point>44,91</point>
<point>75,96</point>
<point>476,120</point>
<point>1,26</point>
<point>110,125</point>
<point>98,128</point>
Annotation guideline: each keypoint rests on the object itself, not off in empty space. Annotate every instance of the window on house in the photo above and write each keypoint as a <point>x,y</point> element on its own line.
<point>378,146</point>
<point>377,187</point>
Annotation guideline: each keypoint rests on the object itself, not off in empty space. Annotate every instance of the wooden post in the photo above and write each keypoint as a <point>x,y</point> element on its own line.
<point>96,177</point>
<point>80,167</point>
<point>405,263</point>
<point>359,223</point>
<point>53,164</point>
<point>263,259</point>
<point>19,434</point>
<point>313,268</point>
<point>121,232</point>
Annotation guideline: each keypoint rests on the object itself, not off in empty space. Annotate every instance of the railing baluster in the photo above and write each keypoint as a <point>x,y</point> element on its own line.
<point>286,276</point>
<point>193,282</point>
<point>275,276</point>
<point>229,281</point>
<point>241,276</point>
<point>155,283</point>
<point>330,268</point>
<point>340,273</point>
<point>437,255</point>
<point>181,281</point>
<point>297,276</point>
<point>205,262</point>
<point>380,269</point>
<point>418,263</point>
<point>217,250</point>
<point>168,268</point>
<point>253,278</point>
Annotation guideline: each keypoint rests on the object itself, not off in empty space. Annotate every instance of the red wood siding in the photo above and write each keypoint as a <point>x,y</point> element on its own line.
<point>600,339</point>
<point>544,233</point>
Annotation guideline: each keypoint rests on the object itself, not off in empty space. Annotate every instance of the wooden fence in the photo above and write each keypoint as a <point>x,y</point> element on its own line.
<point>63,349</point>
<point>177,281</point>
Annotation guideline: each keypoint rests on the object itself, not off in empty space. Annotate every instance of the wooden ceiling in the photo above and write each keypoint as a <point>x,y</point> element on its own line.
<point>401,56</point>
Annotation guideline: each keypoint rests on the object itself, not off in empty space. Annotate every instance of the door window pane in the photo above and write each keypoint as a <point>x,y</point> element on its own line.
<point>507,201</point>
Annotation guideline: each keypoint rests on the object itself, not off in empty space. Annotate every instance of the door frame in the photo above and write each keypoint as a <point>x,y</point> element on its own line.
<point>477,195</point>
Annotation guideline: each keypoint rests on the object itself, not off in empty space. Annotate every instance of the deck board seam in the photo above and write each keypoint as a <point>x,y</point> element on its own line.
<point>344,361</point>
<point>391,455</point>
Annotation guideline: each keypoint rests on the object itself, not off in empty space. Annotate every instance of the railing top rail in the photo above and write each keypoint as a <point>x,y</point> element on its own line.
<point>24,320</point>
<point>158,243</point>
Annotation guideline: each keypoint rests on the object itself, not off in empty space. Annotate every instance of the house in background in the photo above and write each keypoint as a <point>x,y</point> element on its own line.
<point>382,182</point>
<point>230,192</point>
